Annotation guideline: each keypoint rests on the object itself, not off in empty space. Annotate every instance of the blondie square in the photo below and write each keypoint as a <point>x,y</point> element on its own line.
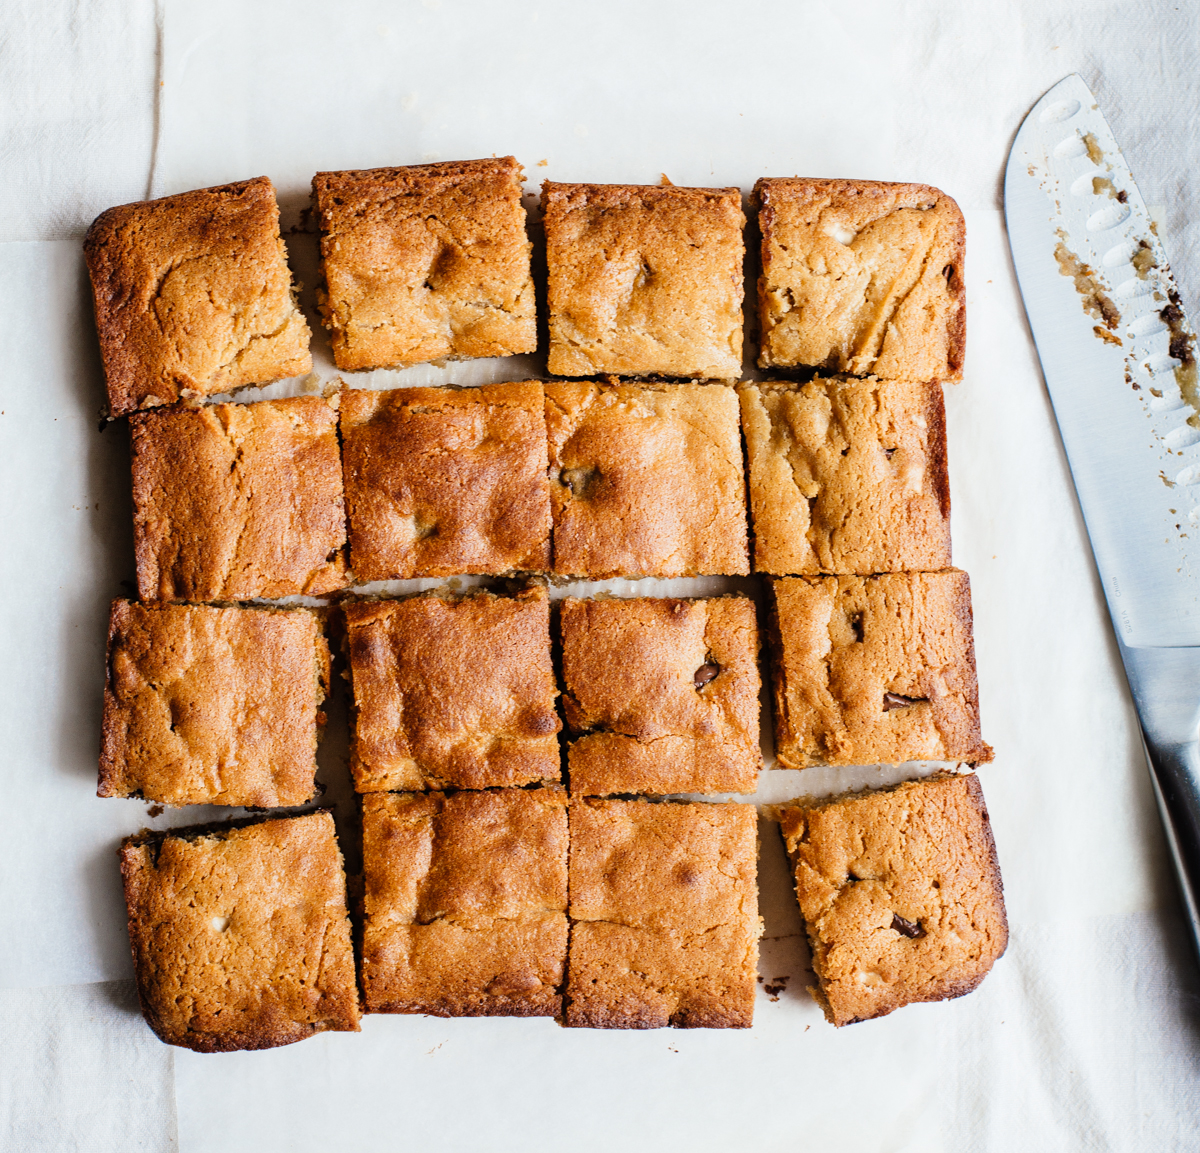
<point>644,280</point>
<point>212,706</point>
<point>193,296</point>
<point>236,501</point>
<point>862,277</point>
<point>900,892</point>
<point>646,480</point>
<point>452,692</point>
<point>664,915</point>
<point>874,670</point>
<point>847,476</point>
<point>465,903</point>
<point>664,693</point>
<point>425,262</point>
<point>442,481</point>
<point>240,936</point>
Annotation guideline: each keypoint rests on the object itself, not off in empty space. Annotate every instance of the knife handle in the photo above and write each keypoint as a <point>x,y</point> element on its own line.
<point>1175,774</point>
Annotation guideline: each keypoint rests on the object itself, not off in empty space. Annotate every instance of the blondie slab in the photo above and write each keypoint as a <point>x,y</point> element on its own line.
<point>240,936</point>
<point>664,915</point>
<point>847,476</point>
<point>644,280</point>
<point>193,296</point>
<point>900,892</point>
<point>236,501</point>
<point>874,670</point>
<point>663,694</point>
<point>212,706</point>
<point>466,902</point>
<point>452,692</point>
<point>424,262</point>
<point>862,276</point>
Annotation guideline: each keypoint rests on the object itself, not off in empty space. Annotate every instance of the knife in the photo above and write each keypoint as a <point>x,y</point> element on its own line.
<point>1119,360</point>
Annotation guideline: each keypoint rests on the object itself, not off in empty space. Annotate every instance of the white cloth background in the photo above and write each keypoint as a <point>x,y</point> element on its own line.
<point>1087,1034</point>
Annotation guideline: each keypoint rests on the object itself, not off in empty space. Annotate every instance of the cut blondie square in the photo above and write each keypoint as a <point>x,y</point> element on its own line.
<point>644,280</point>
<point>874,670</point>
<point>193,296</point>
<point>900,892</point>
<point>847,476</point>
<point>236,501</point>
<point>664,915</point>
<point>240,935</point>
<point>446,481</point>
<point>425,262</point>
<point>465,902</point>
<point>452,692</point>
<point>646,480</point>
<point>663,694</point>
<point>216,706</point>
<point>863,277</point>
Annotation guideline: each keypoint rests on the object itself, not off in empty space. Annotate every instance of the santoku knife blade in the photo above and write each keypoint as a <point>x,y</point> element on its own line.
<point>1119,359</point>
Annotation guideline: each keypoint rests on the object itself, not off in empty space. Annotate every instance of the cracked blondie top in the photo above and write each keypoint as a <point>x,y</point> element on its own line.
<point>646,480</point>
<point>644,279</point>
<point>465,902</point>
<point>863,277</point>
<point>236,501</point>
<point>664,915</point>
<point>874,670</point>
<point>452,692</point>
<point>847,476</point>
<point>661,695</point>
<point>425,262</point>
<point>193,296</point>
<point>443,481</point>
<point>900,892</point>
<point>216,706</point>
<point>241,938</point>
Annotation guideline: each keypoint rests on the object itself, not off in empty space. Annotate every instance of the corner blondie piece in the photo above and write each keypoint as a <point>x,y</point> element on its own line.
<point>443,481</point>
<point>240,936</point>
<point>236,501</point>
<point>644,279</point>
<point>664,693</point>
<point>847,476</point>
<point>863,277</point>
<point>452,692</point>
<point>664,915</point>
<point>212,706</point>
<point>424,262</point>
<point>646,480</point>
<point>874,670</point>
<point>193,296</point>
<point>466,902</point>
<point>901,895</point>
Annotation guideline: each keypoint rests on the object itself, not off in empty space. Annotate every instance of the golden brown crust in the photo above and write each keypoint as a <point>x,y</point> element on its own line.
<point>646,480</point>
<point>847,476</point>
<point>425,261</point>
<point>862,276</point>
<point>665,693</point>
<point>193,296</point>
<point>901,895</point>
<point>443,481</point>
<point>465,902</point>
<point>874,670</point>
<point>664,915</point>
<point>452,692</point>
<point>217,706</point>
<point>644,279</point>
<point>235,501</point>
<point>240,937</point>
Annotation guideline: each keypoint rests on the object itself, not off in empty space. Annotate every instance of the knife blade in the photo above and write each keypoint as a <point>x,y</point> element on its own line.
<point>1119,360</point>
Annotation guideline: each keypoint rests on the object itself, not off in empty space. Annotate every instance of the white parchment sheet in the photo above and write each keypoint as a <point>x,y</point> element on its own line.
<point>1087,1033</point>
